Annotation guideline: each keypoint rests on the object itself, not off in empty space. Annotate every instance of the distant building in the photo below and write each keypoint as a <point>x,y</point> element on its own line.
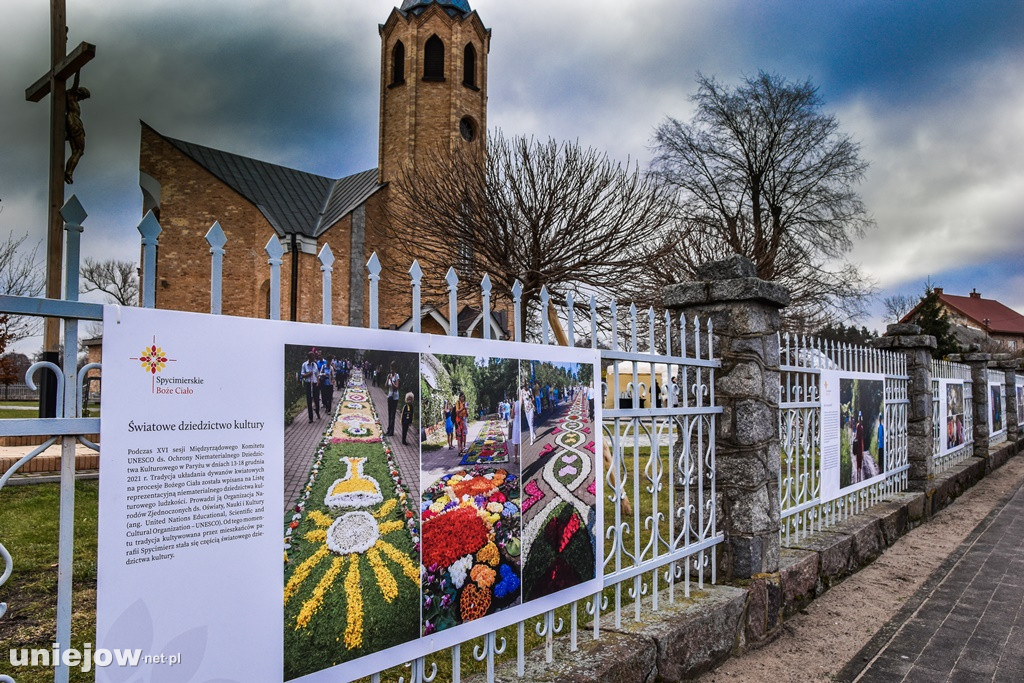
<point>976,320</point>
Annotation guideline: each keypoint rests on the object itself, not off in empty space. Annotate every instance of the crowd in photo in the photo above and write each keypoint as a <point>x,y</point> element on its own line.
<point>319,375</point>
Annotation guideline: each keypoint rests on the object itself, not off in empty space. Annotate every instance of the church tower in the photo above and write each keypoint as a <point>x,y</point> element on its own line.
<point>433,89</point>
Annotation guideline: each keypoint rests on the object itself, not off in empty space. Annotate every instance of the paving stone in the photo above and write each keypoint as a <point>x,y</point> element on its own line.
<point>973,621</point>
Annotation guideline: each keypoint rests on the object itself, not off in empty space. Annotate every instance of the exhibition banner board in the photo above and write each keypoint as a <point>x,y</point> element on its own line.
<point>253,555</point>
<point>1019,386</point>
<point>996,401</point>
<point>852,431</point>
<point>952,414</point>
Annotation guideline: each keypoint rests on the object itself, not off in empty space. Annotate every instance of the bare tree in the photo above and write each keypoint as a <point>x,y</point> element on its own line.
<point>119,280</point>
<point>897,306</point>
<point>763,172</point>
<point>20,275</point>
<point>545,213</point>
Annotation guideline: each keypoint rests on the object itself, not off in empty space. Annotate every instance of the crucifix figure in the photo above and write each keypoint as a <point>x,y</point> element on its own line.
<point>74,131</point>
<point>65,125</point>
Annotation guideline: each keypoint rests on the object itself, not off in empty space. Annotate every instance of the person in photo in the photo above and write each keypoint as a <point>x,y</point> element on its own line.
<point>308,377</point>
<point>858,446</point>
<point>407,416</point>
<point>461,422</point>
<point>324,372</point>
<point>881,440</point>
<point>529,403</point>
<point>516,428</point>
<point>391,387</point>
<point>449,422</point>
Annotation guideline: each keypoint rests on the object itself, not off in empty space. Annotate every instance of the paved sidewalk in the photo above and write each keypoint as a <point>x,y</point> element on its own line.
<point>407,455</point>
<point>967,622</point>
<point>300,441</point>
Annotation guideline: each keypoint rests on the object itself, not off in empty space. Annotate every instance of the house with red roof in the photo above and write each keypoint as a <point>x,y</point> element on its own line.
<point>975,319</point>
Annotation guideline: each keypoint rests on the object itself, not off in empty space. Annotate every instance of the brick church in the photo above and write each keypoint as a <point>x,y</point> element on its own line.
<point>433,91</point>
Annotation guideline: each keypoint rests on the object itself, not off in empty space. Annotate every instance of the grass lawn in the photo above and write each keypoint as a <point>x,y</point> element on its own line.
<point>29,520</point>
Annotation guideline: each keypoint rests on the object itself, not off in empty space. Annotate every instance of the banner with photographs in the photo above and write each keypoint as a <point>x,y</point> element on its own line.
<point>952,414</point>
<point>1020,401</point>
<point>349,498</point>
<point>996,403</point>
<point>852,431</point>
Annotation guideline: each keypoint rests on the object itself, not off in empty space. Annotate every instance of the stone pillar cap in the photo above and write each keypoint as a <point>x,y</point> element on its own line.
<point>731,279</point>
<point>902,329</point>
<point>904,341</point>
<point>731,268</point>
<point>977,357</point>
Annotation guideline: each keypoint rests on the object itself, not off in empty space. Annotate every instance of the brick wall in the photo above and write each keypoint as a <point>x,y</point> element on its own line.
<point>192,198</point>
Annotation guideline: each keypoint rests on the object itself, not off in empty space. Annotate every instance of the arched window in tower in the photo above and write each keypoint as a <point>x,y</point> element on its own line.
<point>398,64</point>
<point>433,59</point>
<point>469,66</point>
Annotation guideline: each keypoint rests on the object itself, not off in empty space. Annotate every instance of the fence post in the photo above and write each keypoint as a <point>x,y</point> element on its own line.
<point>745,313</point>
<point>978,363</point>
<point>917,348</point>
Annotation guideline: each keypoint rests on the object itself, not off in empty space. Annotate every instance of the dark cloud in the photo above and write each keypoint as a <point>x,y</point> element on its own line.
<point>931,89</point>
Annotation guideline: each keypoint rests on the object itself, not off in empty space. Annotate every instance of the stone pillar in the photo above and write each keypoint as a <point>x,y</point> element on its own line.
<point>744,311</point>
<point>1009,367</point>
<point>908,340</point>
<point>978,363</point>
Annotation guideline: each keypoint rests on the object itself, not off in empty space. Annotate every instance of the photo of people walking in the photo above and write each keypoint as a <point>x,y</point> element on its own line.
<point>955,435</point>
<point>862,436</point>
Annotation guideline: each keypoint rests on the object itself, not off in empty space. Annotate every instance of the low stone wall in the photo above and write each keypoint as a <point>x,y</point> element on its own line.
<point>17,441</point>
<point>694,635</point>
<point>49,463</point>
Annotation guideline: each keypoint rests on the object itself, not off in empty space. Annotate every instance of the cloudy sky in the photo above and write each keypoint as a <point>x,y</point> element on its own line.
<point>932,89</point>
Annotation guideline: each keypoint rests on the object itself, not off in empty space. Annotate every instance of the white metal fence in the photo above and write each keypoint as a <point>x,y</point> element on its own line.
<point>803,510</point>
<point>658,492</point>
<point>946,423</point>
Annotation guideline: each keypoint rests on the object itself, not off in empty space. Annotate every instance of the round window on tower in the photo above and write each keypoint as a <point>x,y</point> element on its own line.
<point>468,129</point>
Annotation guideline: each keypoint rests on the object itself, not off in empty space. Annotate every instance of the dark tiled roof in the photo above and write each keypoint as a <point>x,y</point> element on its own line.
<point>1001,319</point>
<point>292,201</point>
<point>469,314</point>
<point>346,194</point>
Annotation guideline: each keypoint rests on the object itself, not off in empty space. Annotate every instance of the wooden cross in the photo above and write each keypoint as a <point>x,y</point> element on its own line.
<point>62,67</point>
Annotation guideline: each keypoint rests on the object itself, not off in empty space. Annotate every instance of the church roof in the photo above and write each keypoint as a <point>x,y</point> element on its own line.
<point>414,5</point>
<point>293,201</point>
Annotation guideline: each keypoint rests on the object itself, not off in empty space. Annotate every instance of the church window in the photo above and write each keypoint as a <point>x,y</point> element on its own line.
<point>465,254</point>
<point>469,66</point>
<point>433,59</point>
<point>467,128</point>
<point>398,64</point>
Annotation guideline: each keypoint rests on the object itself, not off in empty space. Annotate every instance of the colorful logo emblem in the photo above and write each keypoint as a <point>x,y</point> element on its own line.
<point>153,359</point>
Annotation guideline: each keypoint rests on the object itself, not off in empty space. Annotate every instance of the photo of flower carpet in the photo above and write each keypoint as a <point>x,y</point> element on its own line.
<point>470,497</point>
<point>491,444</point>
<point>559,512</point>
<point>351,542</point>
